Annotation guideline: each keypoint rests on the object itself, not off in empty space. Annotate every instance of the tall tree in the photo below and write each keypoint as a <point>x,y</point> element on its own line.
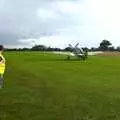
<point>39,48</point>
<point>104,45</point>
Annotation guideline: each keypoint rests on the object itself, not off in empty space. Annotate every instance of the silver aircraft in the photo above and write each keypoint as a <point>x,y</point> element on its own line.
<point>78,52</point>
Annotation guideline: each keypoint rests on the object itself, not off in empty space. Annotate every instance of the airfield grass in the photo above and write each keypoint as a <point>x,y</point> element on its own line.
<point>44,86</point>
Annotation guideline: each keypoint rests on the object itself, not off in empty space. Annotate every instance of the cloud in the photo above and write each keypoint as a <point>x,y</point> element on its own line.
<point>46,14</point>
<point>59,22</point>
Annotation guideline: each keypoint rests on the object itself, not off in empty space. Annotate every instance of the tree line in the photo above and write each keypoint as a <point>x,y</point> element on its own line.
<point>104,45</point>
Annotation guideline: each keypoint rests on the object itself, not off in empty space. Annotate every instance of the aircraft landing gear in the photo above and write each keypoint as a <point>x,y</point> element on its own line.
<point>68,57</point>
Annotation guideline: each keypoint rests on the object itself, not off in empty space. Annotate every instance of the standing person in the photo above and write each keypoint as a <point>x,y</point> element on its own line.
<point>2,66</point>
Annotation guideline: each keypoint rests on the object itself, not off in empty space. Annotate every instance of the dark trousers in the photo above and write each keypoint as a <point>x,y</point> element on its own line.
<point>1,81</point>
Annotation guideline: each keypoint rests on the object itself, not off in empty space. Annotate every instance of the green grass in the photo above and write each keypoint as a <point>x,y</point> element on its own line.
<point>41,86</point>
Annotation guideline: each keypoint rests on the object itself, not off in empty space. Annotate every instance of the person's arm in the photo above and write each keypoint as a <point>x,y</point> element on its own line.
<point>1,60</point>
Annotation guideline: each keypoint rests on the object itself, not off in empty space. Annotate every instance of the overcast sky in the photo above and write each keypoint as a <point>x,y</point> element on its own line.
<point>57,23</point>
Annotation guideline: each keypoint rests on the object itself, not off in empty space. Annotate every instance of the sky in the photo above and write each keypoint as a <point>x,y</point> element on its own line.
<point>57,23</point>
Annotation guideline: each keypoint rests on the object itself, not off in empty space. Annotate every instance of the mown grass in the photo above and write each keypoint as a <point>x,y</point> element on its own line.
<point>40,86</point>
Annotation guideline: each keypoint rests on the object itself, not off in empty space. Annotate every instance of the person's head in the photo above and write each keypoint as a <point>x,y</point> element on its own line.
<point>1,48</point>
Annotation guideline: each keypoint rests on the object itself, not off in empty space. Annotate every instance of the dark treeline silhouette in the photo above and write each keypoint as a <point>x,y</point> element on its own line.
<point>105,45</point>
<point>35,48</point>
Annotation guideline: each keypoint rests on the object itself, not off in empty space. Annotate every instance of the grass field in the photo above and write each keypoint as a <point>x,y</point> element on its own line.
<point>41,86</point>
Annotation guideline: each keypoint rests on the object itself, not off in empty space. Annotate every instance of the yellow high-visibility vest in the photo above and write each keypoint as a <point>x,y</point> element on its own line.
<point>2,65</point>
